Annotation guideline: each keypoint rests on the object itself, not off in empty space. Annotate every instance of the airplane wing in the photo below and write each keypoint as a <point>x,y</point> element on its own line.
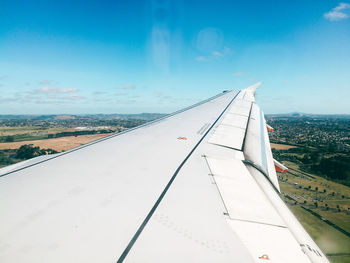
<point>198,185</point>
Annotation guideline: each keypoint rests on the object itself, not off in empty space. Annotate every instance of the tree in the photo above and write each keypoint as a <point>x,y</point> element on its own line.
<point>27,151</point>
<point>4,160</point>
<point>9,139</point>
<point>315,157</point>
<point>338,208</point>
<point>334,168</point>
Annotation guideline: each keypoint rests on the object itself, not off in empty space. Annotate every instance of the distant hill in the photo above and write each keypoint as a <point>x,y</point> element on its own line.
<point>151,116</point>
<point>64,117</point>
<point>301,115</point>
<point>139,116</point>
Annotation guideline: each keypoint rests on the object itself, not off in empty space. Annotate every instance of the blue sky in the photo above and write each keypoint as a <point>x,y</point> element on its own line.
<point>77,57</point>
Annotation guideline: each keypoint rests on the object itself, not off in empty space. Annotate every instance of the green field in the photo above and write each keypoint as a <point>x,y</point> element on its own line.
<point>27,133</point>
<point>29,130</point>
<point>299,190</point>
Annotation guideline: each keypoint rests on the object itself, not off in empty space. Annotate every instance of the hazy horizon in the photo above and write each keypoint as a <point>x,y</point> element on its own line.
<point>166,113</point>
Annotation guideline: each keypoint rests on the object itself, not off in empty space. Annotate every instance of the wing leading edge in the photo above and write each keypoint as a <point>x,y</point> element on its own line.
<point>196,186</point>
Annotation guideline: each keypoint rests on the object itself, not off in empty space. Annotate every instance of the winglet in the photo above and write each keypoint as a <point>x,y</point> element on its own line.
<point>254,87</point>
<point>250,91</point>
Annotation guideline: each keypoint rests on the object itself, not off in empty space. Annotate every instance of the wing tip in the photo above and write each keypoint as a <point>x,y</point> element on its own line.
<point>250,91</point>
<point>254,86</point>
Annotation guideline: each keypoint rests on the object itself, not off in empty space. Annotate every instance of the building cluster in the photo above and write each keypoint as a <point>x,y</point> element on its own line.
<point>330,134</point>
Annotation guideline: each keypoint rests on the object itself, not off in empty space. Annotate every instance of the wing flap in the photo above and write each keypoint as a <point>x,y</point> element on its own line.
<point>243,198</point>
<point>232,119</point>
<point>232,128</point>
<point>228,136</point>
<point>244,111</point>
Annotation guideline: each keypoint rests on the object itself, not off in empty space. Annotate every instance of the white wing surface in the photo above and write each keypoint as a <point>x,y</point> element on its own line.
<point>196,186</point>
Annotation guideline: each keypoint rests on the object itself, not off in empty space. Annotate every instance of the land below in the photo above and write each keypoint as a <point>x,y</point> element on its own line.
<point>57,144</point>
<point>316,149</point>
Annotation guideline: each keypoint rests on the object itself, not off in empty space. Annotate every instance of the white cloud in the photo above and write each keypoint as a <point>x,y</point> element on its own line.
<point>97,93</point>
<point>335,16</point>
<point>341,6</point>
<point>48,90</point>
<point>337,13</point>
<point>127,87</point>
<point>160,95</point>
<point>239,73</point>
<point>73,97</point>
<point>49,95</point>
<point>217,54</point>
<point>45,82</point>
<point>214,55</point>
<point>201,58</point>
